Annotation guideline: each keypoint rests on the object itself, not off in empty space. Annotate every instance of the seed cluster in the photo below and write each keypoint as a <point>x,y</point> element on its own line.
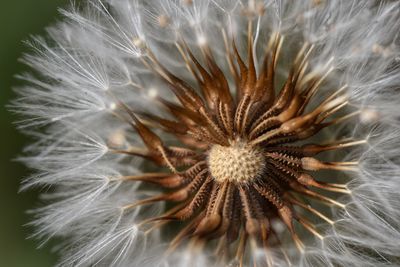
<point>239,167</point>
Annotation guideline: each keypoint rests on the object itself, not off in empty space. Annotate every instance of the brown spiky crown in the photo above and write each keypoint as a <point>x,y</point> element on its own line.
<point>239,166</point>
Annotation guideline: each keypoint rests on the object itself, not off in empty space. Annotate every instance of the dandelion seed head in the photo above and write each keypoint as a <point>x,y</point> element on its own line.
<point>217,133</point>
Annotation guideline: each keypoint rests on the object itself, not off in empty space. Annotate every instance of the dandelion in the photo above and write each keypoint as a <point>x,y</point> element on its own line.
<point>217,133</point>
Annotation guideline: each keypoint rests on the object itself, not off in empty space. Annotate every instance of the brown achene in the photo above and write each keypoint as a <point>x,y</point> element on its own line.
<point>239,166</point>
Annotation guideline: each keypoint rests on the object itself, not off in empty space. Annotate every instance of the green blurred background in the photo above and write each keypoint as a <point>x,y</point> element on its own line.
<point>18,19</point>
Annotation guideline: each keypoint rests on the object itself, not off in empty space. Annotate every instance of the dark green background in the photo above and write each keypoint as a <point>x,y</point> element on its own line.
<point>18,19</point>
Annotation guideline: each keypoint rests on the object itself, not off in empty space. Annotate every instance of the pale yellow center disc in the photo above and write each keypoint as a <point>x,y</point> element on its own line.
<point>238,162</point>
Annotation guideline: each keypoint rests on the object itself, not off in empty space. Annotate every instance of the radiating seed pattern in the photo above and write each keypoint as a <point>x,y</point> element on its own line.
<point>239,165</point>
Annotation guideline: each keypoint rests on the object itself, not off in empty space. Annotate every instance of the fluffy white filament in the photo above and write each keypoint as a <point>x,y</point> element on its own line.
<point>94,57</point>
